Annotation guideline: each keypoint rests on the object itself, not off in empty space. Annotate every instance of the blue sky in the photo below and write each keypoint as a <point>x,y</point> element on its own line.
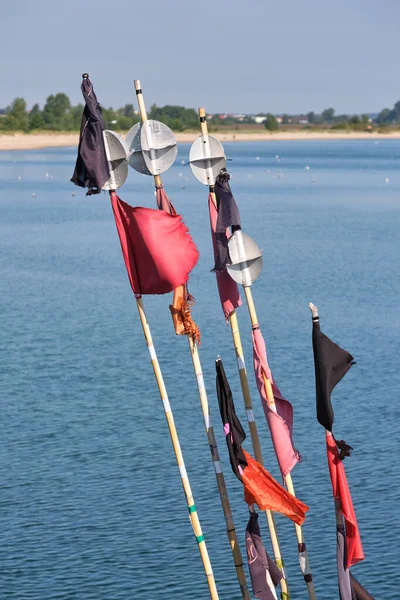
<point>233,56</point>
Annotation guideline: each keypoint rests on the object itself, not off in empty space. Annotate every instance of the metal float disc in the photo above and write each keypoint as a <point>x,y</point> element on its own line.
<point>136,159</point>
<point>207,159</point>
<point>117,155</point>
<point>246,259</point>
<point>152,147</point>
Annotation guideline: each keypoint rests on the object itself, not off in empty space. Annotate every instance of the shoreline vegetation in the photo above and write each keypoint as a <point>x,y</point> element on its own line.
<point>57,124</point>
<point>57,139</point>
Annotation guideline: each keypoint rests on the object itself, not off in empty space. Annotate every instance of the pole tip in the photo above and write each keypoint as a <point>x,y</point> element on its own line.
<point>137,84</point>
<point>202,112</point>
<point>314,309</point>
<point>85,75</point>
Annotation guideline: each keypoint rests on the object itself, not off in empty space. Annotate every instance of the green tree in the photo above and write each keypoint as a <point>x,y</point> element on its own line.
<point>311,117</point>
<point>16,118</point>
<point>384,116</point>
<point>36,118</point>
<point>271,123</point>
<point>110,118</point>
<point>285,119</point>
<point>327,115</point>
<point>176,117</point>
<point>128,111</point>
<point>355,120</point>
<point>395,113</point>
<point>57,113</point>
<point>76,116</point>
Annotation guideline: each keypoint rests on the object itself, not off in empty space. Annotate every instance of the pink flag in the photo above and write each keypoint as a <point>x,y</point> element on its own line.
<point>227,288</point>
<point>280,422</point>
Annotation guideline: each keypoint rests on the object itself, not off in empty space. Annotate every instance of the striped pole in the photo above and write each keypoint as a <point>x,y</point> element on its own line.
<point>255,440</point>
<point>194,353</point>
<point>301,546</point>
<point>194,519</point>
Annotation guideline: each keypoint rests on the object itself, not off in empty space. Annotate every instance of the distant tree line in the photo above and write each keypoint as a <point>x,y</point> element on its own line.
<point>327,117</point>
<point>58,114</point>
<point>389,116</point>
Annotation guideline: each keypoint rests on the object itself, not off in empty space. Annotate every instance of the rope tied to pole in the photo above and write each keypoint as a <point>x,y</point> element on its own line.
<point>344,449</point>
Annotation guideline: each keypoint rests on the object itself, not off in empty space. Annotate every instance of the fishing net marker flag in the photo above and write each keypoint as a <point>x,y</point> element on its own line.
<point>331,363</point>
<point>161,277</point>
<point>160,147</point>
<point>207,159</point>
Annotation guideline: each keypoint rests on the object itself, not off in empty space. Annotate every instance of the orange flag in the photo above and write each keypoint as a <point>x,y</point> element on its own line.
<point>262,489</point>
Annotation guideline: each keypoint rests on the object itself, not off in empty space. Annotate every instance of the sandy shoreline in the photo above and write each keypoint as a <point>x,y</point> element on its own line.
<point>22,141</point>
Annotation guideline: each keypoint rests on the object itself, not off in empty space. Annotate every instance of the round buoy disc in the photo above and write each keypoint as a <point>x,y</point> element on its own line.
<point>207,158</point>
<point>136,159</point>
<point>118,159</point>
<point>152,147</point>
<point>246,259</point>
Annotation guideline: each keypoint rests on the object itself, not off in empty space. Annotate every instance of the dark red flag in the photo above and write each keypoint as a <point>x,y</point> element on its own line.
<point>158,250</point>
<point>228,216</point>
<point>264,573</point>
<point>341,493</point>
<point>360,592</point>
<point>227,288</point>
<point>91,168</point>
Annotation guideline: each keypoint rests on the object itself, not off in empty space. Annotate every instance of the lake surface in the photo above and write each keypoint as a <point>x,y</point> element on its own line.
<point>91,506</point>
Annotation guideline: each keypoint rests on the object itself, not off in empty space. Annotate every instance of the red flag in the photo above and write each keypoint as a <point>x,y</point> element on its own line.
<point>262,489</point>
<point>341,493</point>
<point>227,288</point>
<point>281,422</point>
<point>157,248</point>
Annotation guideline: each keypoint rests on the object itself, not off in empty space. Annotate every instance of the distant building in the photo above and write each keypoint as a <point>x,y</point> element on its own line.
<point>259,119</point>
<point>2,112</point>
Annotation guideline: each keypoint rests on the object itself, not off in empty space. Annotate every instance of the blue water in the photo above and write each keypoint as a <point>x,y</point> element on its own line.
<point>91,506</point>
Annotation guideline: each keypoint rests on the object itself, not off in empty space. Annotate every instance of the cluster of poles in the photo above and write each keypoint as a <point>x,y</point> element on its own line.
<point>150,148</point>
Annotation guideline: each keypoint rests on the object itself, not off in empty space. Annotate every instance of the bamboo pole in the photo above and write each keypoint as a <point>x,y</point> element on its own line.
<point>194,353</point>
<point>194,518</point>
<point>178,453</point>
<point>302,550</point>
<point>244,383</point>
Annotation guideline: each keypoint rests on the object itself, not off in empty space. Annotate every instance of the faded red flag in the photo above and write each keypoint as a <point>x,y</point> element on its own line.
<point>227,288</point>
<point>163,202</point>
<point>280,423</point>
<point>341,492</point>
<point>158,250</point>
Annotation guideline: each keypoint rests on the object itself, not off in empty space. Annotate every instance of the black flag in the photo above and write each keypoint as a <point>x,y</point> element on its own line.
<point>91,169</point>
<point>228,216</point>
<point>234,432</point>
<point>360,592</point>
<point>264,573</point>
<point>331,365</point>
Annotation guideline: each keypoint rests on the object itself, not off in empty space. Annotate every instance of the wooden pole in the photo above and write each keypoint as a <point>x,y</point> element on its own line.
<point>302,550</point>
<point>244,382</point>
<point>194,519</point>
<point>194,352</point>
<point>338,512</point>
<point>178,453</point>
